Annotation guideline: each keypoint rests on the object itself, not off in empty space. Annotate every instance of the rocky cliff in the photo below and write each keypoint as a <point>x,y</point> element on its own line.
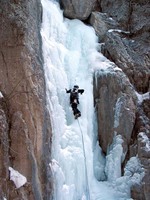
<point>25,130</point>
<point>122,97</point>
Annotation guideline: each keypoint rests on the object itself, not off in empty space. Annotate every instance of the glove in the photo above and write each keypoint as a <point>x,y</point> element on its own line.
<point>82,91</point>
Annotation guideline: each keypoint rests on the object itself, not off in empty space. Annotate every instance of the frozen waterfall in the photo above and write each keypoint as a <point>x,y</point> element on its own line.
<point>70,57</point>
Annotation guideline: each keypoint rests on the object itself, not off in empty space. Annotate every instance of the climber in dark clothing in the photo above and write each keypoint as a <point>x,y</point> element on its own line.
<point>74,99</point>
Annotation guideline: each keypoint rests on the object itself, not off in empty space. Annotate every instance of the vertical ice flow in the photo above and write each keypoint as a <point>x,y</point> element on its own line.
<point>70,57</point>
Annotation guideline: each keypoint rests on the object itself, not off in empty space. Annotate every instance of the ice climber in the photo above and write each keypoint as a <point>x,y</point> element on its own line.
<point>74,99</point>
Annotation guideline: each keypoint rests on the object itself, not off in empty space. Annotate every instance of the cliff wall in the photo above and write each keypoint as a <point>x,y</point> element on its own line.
<point>25,130</point>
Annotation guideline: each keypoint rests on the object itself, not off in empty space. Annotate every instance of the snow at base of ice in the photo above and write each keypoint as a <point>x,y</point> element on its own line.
<point>133,175</point>
<point>99,163</point>
<point>114,159</point>
<point>18,179</point>
<point>71,57</point>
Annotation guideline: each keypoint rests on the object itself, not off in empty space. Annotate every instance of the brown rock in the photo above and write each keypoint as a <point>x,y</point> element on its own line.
<point>102,23</point>
<point>79,9</point>
<point>142,191</point>
<point>146,106</point>
<point>4,147</point>
<point>135,64</point>
<point>115,102</point>
<point>22,84</point>
<point>117,9</point>
<point>140,24</point>
<point>129,47</point>
<point>141,138</point>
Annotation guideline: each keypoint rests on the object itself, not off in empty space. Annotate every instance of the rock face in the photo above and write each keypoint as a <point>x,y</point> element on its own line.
<point>118,10</point>
<point>140,145</point>
<point>25,132</point>
<point>127,45</point>
<point>144,154</point>
<point>102,23</point>
<point>80,9</point>
<point>116,107</point>
<point>139,26</point>
<point>125,53</point>
<point>4,147</point>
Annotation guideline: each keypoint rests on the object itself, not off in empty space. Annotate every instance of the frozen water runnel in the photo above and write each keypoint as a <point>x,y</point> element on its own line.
<point>70,57</point>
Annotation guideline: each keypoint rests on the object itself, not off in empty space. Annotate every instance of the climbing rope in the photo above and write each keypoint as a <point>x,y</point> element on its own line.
<point>86,174</point>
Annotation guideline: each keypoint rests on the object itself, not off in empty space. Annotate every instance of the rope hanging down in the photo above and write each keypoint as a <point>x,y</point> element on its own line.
<point>86,174</point>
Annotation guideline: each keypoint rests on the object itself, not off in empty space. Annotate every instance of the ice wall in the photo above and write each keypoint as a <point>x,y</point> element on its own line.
<point>70,57</point>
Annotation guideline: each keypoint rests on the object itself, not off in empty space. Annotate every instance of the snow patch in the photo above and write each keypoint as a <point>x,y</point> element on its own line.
<point>18,179</point>
<point>142,97</point>
<point>118,30</point>
<point>1,96</point>
<point>117,69</point>
<point>133,175</point>
<point>102,64</point>
<point>134,170</point>
<point>145,140</point>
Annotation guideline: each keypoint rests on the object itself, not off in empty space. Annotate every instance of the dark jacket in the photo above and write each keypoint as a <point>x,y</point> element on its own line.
<point>74,95</point>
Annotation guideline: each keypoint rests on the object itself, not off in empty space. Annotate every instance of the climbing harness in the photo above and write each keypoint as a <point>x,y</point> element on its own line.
<point>86,174</point>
